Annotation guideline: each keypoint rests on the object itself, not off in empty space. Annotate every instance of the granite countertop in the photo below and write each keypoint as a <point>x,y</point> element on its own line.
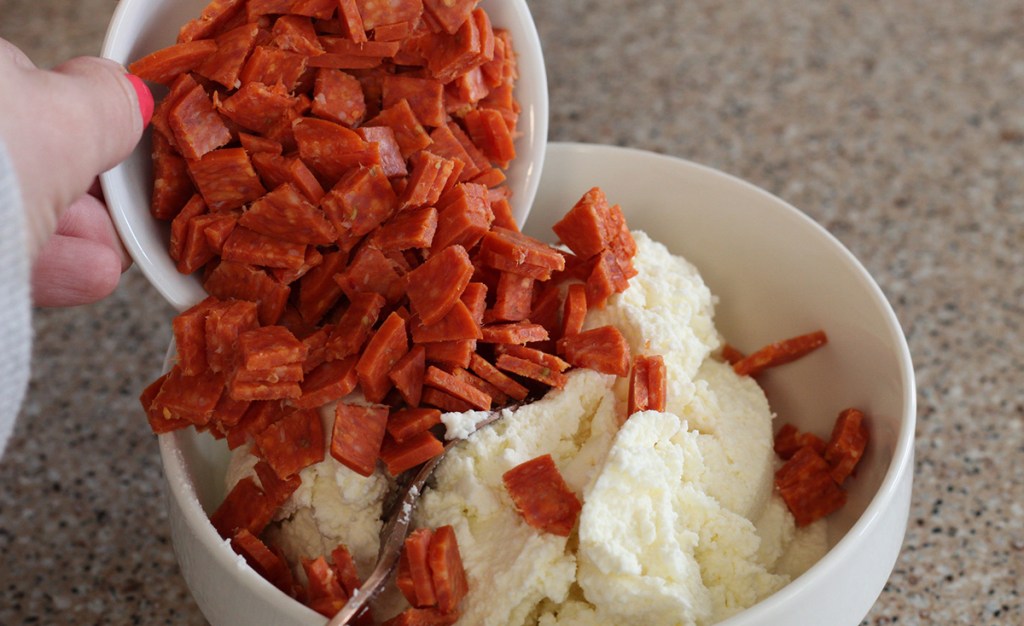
<point>898,125</point>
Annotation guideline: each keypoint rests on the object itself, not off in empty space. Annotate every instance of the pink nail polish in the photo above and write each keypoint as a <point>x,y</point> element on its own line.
<point>145,98</point>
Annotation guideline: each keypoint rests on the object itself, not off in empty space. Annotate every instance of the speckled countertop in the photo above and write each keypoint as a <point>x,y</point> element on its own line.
<point>897,125</point>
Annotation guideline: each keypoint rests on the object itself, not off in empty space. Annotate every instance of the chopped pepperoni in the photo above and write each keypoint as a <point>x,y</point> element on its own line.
<point>542,497</point>
<point>192,398</point>
<point>400,456</point>
<point>445,401</point>
<point>514,332</point>
<point>603,349</point>
<point>440,379</point>
<point>344,567</point>
<point>416,583</point>
<point>382,352</point>
<point>488,372</point>
<point>779,353</point>
<point>324,592</point>
<point>284,213</point>
<point>265,347</point>
<point>647,384</point>
<point>165,65</point>
<point>263,560</point>
<point>434,287</point>
<point>789,439</point>
<point>574,310</point>
<point>532,369</point>
<point>226,179</point>
<point>327,382</point>
<point>847,443</point>
<point>446,570</point>
<point>408,422</point>
<point>731,355</point>
<point>246,507</point>
<point>805,484</point>
<point>357,436</point>
<point>407,375</point>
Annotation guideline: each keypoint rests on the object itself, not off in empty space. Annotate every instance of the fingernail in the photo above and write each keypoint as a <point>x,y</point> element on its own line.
<point>145,98</point>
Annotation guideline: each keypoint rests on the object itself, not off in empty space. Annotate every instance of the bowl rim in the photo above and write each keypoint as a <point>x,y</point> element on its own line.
<point>896,477</point>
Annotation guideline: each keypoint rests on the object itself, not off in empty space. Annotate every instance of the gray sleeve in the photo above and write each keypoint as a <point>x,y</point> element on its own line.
<point>15,300</point>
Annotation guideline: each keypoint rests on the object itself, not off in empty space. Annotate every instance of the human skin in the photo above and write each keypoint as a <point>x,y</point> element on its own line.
<point>62,128</point>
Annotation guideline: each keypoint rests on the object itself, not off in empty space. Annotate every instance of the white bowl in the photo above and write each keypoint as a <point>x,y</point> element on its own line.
<point>139,27</point>
<point>777,274</point>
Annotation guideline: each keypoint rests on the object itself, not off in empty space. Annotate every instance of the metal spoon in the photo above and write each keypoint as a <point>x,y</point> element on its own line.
<point>396,529</point>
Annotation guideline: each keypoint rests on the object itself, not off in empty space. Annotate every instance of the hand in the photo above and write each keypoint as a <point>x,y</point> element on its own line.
<point>62,128</point>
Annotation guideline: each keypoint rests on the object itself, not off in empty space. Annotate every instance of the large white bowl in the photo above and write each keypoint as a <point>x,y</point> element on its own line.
<point>777,274</point>
<point>139,27</point>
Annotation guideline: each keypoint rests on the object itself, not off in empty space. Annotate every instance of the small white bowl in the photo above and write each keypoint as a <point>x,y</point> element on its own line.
<point>139,27</point>
<point>776,274</point>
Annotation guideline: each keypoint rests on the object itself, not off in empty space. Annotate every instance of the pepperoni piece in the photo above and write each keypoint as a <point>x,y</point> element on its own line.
<point>514,332</point>
<point>233,48</point>
<point>197,127</point>
<point>390,154</point>
<point>272,66</point>
<point>574,311</point>
<point>805,484</point>
<point>244,508</point>
<point>427,180</point>
<point>327,382</point>
<point>266,347</point>
<point>396,31</point>
<point>357,436</point>
<point>196,250</point>
<point>407,375</point>
<point>260,108</point>
<point>190,337</point>
<point>417,586</point>
<point>498,398</point>
<point>248,246</point>
<point>457,324</point>
<point>532,354</point>
<point>431,616</point>
<point>338,97</point>
<point>502,211</point>
<point>296,33</point>
<point>213,18</point>
<point>445,143</point>
<point>408,422</point>
<point>780,353</point>
<point>542,497</point>
<point>409,132</point>
<point>318,291</point>
<point>292,443</point>
<point>470,47</point>
<point>585,228</point>
<point>847,443</point>
<point>226,179</point>
<point>172,187</point>
<point>192,398</point>
<point>532,369</point>
<point>410,452</point>
<point>446,570</point>
<point>382,352</point>
<point>490,133</point>
<point>154,414</point>
<point>179,226</point>
<point>360,202</point>
<point>464,216</point>
<point>440,379</point>
<point>731,355</point>
<point>371,271</point>
<point>245,282</point>
<point>324,592</point>
<point>789,439</point>
<point>263,560</point>
<point>258,416</point>
<point>603,349</point>
<point>444,401</point>
<point>330,149</point>
<point>413,228</point>
<point>284,213</point>
<point>647,384</point>
<point>353,329</point>
<point>378,14</point>
<point>492,375</point>
<point>344,567</point>
<point>425,97</point>
<point>166,64</point>
<point>276,489</point>
<point>514,297</point>
<point>261,389</point>
<point>516,248</point>
<point>435,286</point>
<point>606,278</point>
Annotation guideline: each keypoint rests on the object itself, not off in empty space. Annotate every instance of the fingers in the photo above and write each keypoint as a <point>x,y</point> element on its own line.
<point>62,128</point>
<point>82,262</point>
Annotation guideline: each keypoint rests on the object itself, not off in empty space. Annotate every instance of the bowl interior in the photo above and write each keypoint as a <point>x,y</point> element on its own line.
<point>776,274</point>
<point>143,26</point>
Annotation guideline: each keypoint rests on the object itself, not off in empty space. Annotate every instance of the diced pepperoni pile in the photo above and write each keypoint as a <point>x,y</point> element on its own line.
<point>810,481</point>
<point>431,577</point>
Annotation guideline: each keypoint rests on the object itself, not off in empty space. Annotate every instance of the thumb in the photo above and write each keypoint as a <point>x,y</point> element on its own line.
<point>78,120</point>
